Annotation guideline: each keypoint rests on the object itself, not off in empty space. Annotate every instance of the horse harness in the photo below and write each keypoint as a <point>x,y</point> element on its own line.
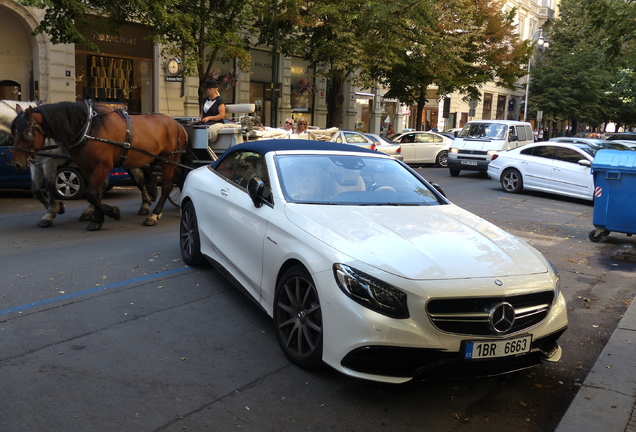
<point>127,145</point>
<point>83,135</point>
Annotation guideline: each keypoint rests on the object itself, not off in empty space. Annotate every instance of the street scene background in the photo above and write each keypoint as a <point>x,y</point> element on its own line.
<point>109,330</point>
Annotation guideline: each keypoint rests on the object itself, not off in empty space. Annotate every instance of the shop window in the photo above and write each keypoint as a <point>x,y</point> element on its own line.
<point>110,79</point>
<point>501,107</point>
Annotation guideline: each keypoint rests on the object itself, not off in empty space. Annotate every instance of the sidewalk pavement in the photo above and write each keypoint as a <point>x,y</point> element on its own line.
<point>607,400</point>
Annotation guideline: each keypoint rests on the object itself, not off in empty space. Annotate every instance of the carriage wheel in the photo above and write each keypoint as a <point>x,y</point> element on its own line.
<point>175,196</point>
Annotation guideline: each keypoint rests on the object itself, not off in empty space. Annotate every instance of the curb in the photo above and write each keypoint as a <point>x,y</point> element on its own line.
<point>607,399</point>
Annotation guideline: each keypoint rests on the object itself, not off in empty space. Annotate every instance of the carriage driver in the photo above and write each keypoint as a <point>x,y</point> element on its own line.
<point>212,106</point>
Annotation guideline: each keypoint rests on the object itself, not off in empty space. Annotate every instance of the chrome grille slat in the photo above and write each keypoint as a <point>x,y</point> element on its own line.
<point>470,316</point>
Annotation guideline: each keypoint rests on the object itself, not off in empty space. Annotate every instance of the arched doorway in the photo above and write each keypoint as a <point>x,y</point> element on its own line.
<point>10,90</point>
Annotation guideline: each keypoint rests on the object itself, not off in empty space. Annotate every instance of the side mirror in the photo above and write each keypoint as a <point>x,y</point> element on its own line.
<point>585,163</point>
<point>514,138</point>
<point>439,189</point>
<point>255,188</point>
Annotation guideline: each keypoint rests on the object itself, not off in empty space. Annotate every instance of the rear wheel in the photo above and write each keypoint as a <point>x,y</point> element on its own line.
<point>189,239</point>
<point>442,159</point>
<point>511,181</point>
<point>69,184</point>
<point>298,318</point>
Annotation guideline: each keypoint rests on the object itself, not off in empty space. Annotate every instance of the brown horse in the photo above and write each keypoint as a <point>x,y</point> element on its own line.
<point>98,139</point>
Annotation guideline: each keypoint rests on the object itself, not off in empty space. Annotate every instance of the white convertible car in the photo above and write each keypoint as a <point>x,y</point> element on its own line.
<point>366,267</point>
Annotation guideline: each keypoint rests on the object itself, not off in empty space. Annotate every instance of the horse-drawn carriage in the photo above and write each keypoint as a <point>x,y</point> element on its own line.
<point>99,138</point>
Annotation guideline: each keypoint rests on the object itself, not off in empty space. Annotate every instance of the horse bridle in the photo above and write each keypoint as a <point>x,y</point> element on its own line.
<point>29,135</point>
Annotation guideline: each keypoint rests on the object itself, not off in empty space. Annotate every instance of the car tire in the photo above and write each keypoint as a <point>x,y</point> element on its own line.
<point>511,181</point>
<point>189,239</point>
<point>69,184</point>
<point>298,318</point>
<point>442,159</point>
<point>454,173</point>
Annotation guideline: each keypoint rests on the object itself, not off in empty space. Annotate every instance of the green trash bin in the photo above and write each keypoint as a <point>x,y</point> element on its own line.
<point>614,174</point>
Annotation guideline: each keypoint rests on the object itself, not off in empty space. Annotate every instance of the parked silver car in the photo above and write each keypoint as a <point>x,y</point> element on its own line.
<point>386,146</point>
<point>423,147</point>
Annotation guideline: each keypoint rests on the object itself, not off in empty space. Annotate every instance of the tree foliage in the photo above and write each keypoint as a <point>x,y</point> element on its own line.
<point>198,31</point>
<point>587,74</point>
<point>405,44</point>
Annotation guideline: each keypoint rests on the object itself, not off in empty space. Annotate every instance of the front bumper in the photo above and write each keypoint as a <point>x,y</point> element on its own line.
<point>430,364</point>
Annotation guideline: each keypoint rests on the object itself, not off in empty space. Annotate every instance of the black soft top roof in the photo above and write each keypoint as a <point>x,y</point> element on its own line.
<point>266,146</point>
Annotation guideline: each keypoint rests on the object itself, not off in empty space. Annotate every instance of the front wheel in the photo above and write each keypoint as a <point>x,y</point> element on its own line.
<point>442,159</point>
<point>454,172</point>
<point>298,318</point>
<point>511,181</point>
<point>189,239</point>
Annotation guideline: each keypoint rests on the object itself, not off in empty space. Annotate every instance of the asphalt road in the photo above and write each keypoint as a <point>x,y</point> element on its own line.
<point>109,331</point>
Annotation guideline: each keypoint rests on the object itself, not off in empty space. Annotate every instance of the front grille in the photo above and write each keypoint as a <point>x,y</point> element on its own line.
<point>471,316</point>
<point>472,152</point>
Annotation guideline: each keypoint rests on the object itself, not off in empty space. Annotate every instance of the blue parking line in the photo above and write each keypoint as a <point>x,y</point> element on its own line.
<point>91,291</point>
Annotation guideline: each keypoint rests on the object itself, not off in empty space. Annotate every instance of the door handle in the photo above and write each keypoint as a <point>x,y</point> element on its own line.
<point>225,192</point>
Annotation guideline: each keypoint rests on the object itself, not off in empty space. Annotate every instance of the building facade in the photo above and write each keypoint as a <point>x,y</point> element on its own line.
<point>128,71</point>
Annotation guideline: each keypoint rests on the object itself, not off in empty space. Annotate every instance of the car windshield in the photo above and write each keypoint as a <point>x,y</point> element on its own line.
<point>351,180</point>
<point>484,130</point>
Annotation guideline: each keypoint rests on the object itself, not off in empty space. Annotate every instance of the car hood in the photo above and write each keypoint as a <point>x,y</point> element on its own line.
<point>419,242</point>
<point>482,144</point>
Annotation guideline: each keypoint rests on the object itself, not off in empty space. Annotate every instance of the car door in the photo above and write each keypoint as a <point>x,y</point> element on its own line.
<point>407,141</point>
<point>427,146</point>
<point>236,227</point>
<point>569,177</point>
<point>536,166</point>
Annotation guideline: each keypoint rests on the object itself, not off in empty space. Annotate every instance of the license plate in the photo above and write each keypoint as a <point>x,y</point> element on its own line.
<point>497,348</point>
<point>469,163</point>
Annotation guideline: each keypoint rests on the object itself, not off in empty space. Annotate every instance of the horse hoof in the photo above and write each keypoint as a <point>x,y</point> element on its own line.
<point>86,216</point>
<point>94,226</point>
<point>116,214</point>
<point>60,208</point>
<point>152,220</point>
<point>45,223</point>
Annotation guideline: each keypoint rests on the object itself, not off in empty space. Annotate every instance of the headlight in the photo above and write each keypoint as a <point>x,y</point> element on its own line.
<point>453,150</point>
<point>370,292</point>
<point>557,285</point>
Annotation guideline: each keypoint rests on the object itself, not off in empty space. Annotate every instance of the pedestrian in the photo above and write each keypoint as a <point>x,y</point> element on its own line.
<point>540,134</point>
<point>390,131</point>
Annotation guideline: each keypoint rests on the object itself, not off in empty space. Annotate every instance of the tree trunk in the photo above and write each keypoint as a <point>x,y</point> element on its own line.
<point>335,104</point>
<point>421,102</point>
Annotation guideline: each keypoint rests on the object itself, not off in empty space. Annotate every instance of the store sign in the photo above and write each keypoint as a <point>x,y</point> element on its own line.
<point>174,78</point>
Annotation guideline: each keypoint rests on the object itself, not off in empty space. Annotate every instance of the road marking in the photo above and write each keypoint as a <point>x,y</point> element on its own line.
<point>92,290</point>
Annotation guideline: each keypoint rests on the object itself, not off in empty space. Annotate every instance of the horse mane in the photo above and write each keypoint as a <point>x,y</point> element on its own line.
<point>63,121</point>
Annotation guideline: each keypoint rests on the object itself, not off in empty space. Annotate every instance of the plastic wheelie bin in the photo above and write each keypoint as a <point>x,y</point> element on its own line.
<point>614,174</point>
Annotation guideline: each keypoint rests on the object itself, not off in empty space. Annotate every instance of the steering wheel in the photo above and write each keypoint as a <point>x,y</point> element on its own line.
<point>385,189</point>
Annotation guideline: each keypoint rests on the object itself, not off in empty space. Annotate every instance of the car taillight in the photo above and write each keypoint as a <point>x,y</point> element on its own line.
<point>399,150</point>
<point>373,147</point>
<point>493,157</point>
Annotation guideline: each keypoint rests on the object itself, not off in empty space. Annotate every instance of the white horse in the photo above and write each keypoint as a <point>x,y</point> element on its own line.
<point>44,171</point>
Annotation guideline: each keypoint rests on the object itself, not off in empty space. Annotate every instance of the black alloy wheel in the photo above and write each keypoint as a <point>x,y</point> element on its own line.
<point>298,318</point>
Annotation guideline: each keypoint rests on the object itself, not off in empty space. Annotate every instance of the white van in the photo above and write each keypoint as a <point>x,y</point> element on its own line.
<point>480,139</point>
